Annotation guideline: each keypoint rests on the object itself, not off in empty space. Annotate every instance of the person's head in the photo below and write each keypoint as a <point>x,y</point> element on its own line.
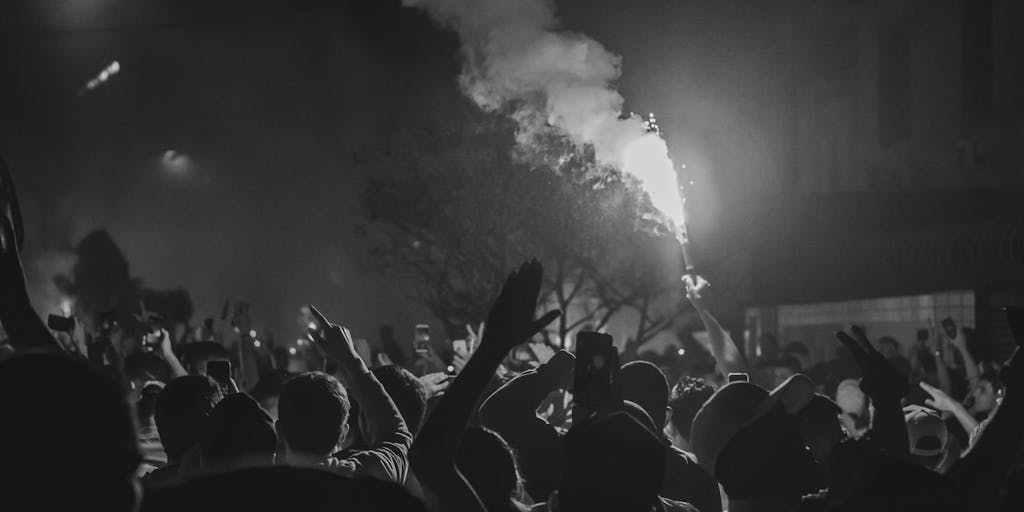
<point>888,346</point>
<point>821,428</point>
<point>59,409</point>
<point>750,441</point>
<point>268,390</point>
<point>487,463</point>
<point>197,354</point>
<point>642,383</point>
<point>927,435</point>
<point>312,415</point>
<point>239,434</point>
<point>143,367</point>
<point>688,396</point>
<point>985,394</point>
<point>798,352</point>
<point>406,391</point>
<point>182,410</point>
<point>612,463</point>
<point>856,413</point>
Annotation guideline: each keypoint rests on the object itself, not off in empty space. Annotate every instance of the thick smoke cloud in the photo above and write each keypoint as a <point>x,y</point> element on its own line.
<point>515,56</point>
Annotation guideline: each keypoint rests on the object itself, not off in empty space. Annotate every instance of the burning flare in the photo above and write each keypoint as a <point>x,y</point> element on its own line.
<point>514,54</point>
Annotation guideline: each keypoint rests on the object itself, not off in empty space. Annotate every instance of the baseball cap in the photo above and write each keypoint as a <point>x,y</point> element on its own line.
<point>926,430</point>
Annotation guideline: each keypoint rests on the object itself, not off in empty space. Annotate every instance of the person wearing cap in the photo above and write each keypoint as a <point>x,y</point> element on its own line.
<point>750,440</point>
<point>927,435</point>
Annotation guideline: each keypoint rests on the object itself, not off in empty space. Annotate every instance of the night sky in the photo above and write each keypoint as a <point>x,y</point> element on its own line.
<point>272,100</point>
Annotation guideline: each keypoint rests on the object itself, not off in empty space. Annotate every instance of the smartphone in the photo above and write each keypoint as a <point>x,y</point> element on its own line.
<point>421,341</point>
<point>597,365</point>
<point>460,347</point>
<point>363,349</point>
<point>1015,317</point>
<point>220,371</point>
<point>61,323</point>
<point>922,335</point>
<point>950,326</point>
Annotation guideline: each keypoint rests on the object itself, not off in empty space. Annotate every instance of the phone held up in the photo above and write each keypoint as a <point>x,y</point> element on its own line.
<point>421,341</point>
<point>219,371</point>
<point>61,323</point>
<point>597,367</point>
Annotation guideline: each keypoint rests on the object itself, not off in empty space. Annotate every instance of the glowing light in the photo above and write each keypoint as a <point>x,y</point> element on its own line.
<point>175,162</point>
<point>256,343</point>
<point>312,326</point>
<point>647,159</point>
<point>292,351</point>
<point>252,333</point>
<point>300,342</point>
<point>681,352</point>
<point>451,368</point>
<point>106,74</point>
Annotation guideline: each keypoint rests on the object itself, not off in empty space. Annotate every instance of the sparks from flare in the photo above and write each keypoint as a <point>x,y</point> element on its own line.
<point>646,158</point>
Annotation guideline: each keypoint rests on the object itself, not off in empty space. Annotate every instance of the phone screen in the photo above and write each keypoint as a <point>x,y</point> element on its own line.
<point>421,342</point>
<point>597,363</point>
<point>460,347</point>
<point>219,371</point>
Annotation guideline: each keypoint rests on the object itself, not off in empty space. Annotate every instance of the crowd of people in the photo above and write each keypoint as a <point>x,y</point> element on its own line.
<point>182,427</point>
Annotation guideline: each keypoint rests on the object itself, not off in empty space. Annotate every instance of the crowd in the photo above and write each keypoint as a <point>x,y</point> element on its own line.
<point>183,427</point>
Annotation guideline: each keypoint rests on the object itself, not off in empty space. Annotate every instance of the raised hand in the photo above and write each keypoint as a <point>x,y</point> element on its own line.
<point>335,340</point>
<point>694,285</point>
<point>434,384</point>
<point>13,290</point>
<point>939,399</point>
<point>511,319</point>
<point>880,379</point>
<point>473,340</point>
<point>542,351</point>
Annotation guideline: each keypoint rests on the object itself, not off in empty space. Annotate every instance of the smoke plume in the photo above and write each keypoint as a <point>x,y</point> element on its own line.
<point>515,56</point>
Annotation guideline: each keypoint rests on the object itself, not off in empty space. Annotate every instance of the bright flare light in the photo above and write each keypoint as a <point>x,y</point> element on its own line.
<point>647,159</point>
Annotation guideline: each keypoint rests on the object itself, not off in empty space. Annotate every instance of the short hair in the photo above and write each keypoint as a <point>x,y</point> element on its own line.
<point>643,383</point>
<point>238,427</point>
<point>145,408</point>
<point>312,412</point>
<point>993,378</point>
<point>182,410</point>
<point>488,464</point>
<point>688,396</point>
<point>270,385</point>
<point>145,366</point>
<point>203,351</point>
<point>406,391</point>
<point>59,408</point>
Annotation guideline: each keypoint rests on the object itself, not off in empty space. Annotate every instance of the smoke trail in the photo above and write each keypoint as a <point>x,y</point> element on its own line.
<point>515,56</point>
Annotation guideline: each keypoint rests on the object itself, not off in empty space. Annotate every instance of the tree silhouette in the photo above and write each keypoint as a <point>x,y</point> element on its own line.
<point>100,281</point>
<point>453,208</point>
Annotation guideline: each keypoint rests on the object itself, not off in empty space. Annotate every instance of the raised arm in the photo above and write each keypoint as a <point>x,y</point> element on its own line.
<point>886,387</point>
<point>512,412</point>
<point>510,323</point>
<point>727,355</point>
<point>386,433</point>
<point>959,342</point>
<point>985,466</point>
<point>943,402</point>
<point>24,327</point>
